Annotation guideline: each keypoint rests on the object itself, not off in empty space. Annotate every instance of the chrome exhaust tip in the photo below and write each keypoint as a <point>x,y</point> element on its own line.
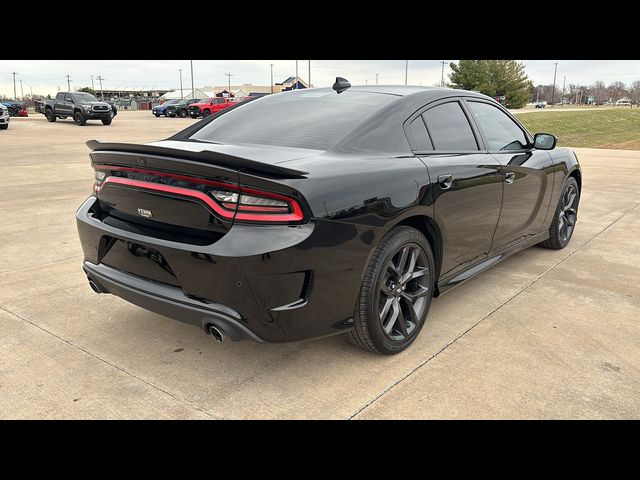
<point>217,335</point>
<point>94,286</point>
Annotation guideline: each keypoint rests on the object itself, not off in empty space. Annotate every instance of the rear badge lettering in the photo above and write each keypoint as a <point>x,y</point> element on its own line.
<point>143,212</point>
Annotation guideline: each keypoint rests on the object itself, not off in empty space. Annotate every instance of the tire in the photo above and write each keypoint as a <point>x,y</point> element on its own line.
<point>50,115</point>
<point>107,121</point>
<point>383,321</point>
<point>183,113</point>
<point>156,115</point>
<point>4,127</point>
<point>62,118</point>
<point>206,113</point>
<point>565,216</point>
<point>171,115</point>
<point>78,117</point>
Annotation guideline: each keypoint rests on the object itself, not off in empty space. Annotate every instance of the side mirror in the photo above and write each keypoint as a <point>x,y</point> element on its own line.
<point>544,141</point>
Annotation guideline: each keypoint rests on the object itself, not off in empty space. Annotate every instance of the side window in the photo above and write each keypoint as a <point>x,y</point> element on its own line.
<point>419,137</point>
<point>60,97</point>
<point>67,98</point>
<point>500,131</point>
<point>449,128</point>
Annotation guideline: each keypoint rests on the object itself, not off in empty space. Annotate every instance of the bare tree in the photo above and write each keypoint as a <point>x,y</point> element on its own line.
<point>634,92</point>
<point>599,92</point>
<point>616,91</point>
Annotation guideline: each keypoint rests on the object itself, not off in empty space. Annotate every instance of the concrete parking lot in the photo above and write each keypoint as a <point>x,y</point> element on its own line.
<point>545,334</point>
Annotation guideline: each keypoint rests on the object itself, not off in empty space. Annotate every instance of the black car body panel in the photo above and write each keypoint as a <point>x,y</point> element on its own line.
<point>299,279</point>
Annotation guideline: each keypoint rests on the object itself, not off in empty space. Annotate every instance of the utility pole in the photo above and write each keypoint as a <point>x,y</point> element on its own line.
<point>366,82</point>
<point>376,78</point>
<point>553,90</point>
<point>68,83</point>
<point>271,65</point>
<point>309,73</point>
<point>31,92</point>
<point>229,75</point>
<point>99,77</point>
<point>93,87</point>
<point>294,85</point>
<point>15,95</point>
<point>443,62</point>
<point>181,92</point>
<point>562,97</point>
<point>21,91</point>
<point>193,90</point>
<point>406,71</point>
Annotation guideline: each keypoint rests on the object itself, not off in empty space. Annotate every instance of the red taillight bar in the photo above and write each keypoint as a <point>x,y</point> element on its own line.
<point>295,216</point>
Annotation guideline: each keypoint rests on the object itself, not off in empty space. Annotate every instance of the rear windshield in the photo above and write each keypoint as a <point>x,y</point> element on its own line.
<point>311,119</point>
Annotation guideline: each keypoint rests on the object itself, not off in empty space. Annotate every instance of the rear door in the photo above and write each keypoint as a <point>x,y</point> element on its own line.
<point>526,173</point>
<point>466,181</point>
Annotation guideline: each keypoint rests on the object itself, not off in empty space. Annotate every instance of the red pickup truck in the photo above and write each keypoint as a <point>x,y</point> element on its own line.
<point>212,105</point>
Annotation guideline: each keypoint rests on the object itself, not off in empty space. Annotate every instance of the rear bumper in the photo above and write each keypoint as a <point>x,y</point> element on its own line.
<point>286,283</point>
<point>168,301</point>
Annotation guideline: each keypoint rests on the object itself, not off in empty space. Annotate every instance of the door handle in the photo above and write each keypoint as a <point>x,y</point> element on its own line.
<point>509,177</point>
<point>445,181</point>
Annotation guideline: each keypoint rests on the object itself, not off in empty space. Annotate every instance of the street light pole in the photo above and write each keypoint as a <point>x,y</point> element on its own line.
<point>271,65</point>
<point>193,90</point>
<point>553,90</point>
<point>406,71</point>
<point>181,92</point>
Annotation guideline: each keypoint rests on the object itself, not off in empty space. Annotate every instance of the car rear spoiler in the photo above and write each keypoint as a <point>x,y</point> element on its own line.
<point>204,156</point>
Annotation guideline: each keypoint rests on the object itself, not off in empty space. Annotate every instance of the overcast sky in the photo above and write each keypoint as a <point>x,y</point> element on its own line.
<point>46,76</point>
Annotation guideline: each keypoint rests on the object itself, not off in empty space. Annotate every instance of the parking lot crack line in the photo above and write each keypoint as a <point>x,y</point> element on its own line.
<point>126,372</point>
<point>422,364</point>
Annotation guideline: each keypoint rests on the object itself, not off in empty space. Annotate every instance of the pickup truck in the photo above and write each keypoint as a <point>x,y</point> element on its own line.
<point>208,106</point>
<point>80,106</point>
<point>4,117</point>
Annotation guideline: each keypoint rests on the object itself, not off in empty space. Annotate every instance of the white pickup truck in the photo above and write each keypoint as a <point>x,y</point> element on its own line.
<point>4,117</point>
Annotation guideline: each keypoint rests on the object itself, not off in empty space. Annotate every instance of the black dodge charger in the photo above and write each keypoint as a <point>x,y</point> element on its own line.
<point>320,211</point>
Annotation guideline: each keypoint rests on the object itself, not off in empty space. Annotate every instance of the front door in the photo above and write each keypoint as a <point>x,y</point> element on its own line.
<point>526,172</point>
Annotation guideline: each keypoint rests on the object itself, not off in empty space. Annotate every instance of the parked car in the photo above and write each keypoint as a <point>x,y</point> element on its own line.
<point>15,108</point>
<point>309,213</point>
<point>80,106</point>
<point>159,110</point>
<point>623,103</point>
<point>180,108</point>
<point>4,117</point>
<point>211,105</point>
<point>541,104</point>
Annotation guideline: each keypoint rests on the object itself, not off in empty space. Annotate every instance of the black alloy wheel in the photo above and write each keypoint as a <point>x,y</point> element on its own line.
<point>403,292</point>
<point>183,113</point>
<point>79,119</point>
<point>565,217</point>
<point>396,293</point>
<point>206,113</point>
<point>50,115</point>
